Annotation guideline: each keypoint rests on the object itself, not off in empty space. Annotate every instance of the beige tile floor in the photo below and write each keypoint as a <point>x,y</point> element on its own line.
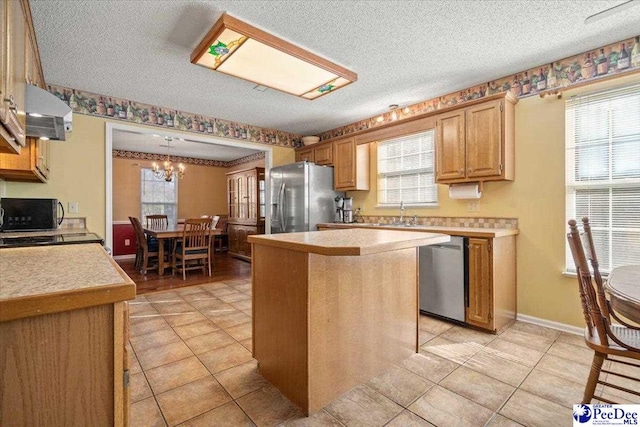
<point>192,366</point>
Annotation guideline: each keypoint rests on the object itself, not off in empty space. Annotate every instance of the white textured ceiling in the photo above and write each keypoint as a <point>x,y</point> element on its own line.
<point>403,51</point>
<point>156,144</point>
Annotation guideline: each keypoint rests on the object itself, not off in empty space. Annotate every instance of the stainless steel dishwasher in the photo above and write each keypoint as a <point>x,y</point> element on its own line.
<point>444,278</point>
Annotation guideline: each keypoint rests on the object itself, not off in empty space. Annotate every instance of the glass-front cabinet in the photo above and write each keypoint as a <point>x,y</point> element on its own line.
<point>247,208</point>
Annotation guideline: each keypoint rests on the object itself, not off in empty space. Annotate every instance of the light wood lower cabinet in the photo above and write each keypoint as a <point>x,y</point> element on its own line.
<point>65,368</point>
<point>492,279</point>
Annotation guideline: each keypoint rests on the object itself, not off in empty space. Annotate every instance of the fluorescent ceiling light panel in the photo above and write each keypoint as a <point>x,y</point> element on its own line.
<point>236,48</point>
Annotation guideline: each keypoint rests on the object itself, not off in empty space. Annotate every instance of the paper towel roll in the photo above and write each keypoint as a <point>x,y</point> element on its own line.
<point>465,191</point>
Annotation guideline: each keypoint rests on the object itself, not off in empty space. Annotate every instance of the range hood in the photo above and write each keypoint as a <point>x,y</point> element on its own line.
<point>47,116</point>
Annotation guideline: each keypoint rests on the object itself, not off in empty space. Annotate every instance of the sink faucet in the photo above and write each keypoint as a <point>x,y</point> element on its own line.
<point>401,212</point>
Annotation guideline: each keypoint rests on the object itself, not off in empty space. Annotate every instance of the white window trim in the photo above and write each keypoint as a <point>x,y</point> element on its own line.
<point>414,171</point>
<point>571,186</point>
<point>142,169</point>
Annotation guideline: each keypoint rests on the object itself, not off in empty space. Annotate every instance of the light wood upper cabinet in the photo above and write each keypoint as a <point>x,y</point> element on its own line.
<point>14,34</point>
<point>320,155</point>
<point>306,154</point>
<point>450,146</point>
<point>323,155</point>
<point>477,143</point>
<point>484,140</point>
<point>350,165</point>
<point>32,164</point>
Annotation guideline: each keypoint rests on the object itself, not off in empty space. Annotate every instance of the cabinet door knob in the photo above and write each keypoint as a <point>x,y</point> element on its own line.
<point>469,170</point>
<point>461,171</point>
<point>9,100</point>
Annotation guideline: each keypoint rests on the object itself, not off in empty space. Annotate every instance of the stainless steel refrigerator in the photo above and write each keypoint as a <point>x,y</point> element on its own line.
<point>302,196</point>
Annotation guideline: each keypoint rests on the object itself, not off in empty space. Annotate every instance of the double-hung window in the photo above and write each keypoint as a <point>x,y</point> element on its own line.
<point>603,172</point>
<point>158,196</point>
<point>406,172</point>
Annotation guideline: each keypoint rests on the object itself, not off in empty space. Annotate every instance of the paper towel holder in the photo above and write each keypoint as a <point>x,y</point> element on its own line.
<point>465,190</point>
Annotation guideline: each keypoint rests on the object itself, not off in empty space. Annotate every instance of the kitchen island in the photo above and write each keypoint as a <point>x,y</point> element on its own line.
<point>333,309</point>
<point>63,322</point>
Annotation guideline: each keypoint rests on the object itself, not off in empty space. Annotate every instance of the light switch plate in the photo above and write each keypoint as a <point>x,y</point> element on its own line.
<point>473,206</point>
<point>73,207</point>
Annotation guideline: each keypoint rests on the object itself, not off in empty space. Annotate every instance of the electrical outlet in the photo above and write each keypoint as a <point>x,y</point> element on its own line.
<point>127,242</point>
<point>473,206</point>
<point>73,207</point>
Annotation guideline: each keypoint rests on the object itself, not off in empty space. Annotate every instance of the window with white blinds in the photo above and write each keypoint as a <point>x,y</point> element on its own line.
<point>603,172</point>
<point>405,171</point>
<point>157,196</point>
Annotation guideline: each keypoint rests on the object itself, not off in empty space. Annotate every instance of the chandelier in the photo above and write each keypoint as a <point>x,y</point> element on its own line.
<point>168,172</point>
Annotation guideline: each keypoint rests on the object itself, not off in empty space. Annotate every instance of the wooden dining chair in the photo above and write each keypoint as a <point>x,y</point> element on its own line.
<point>194,246</point>
<point>601,335</point>
<point>221,241</point>
<point>145,251</point>
<point>157,221</point>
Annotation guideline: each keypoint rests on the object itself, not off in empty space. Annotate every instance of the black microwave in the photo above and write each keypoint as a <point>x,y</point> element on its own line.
<point>18,214</point>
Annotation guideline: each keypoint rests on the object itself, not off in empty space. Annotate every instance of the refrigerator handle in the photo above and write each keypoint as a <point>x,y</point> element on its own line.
<point>283,213</point>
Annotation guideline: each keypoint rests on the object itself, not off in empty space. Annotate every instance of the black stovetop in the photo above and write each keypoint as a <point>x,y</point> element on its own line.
<point>7,241</point>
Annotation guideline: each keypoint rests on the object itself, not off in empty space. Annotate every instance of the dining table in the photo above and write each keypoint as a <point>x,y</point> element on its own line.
<point>623,286</point>
<point>171,231</point>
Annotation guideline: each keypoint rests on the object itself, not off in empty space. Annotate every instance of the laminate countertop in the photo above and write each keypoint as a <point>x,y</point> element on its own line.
<point>350,242</point>
<point>51,279</point>
<point>452,231</point>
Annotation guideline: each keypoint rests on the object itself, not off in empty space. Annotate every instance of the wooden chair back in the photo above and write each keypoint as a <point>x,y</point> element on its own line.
<point>141,240</point>
<point>214,220</point>
<point>222,224</point>
<point>592,314</point>
<point>196,234</point>
<point>590,253</point>
<point>157,221</point>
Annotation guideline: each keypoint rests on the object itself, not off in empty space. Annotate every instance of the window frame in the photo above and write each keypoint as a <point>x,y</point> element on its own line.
<point>142,203</point>
<point>428,170</point>
<point>574,184</point>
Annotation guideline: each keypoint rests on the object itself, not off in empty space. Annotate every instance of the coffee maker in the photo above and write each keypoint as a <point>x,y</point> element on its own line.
<point>344,209</point>
<point>347,210</point>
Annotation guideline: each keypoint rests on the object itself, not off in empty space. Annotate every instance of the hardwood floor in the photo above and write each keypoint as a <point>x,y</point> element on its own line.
<point>225,267</point>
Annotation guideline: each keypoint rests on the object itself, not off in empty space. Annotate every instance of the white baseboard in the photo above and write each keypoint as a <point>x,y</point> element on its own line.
<point>551,324</point>
<point>123,257</point>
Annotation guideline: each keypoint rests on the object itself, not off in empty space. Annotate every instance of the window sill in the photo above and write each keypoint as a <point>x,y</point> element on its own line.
<point>573,274</point>
<point>406,206</point>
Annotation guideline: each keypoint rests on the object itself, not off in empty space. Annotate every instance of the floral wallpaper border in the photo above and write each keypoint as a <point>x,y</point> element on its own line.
<point>616,58</point>
<point>186,160</point>
<point>93,104</point>
<point>246,159</point>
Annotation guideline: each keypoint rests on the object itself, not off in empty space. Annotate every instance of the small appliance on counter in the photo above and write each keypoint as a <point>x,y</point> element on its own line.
<point>344,209</point>
<point>30,214</point>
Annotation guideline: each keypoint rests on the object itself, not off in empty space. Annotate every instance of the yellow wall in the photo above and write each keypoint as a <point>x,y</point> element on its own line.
<point>202,190</point>
<point>78,171</point>
<point>536,198</point>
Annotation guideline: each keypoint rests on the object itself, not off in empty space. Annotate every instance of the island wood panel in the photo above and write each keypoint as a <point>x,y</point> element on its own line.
<point>58,369</point>
<point>504,281</point>
<point>362,319</point>
<point>279,310</point>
